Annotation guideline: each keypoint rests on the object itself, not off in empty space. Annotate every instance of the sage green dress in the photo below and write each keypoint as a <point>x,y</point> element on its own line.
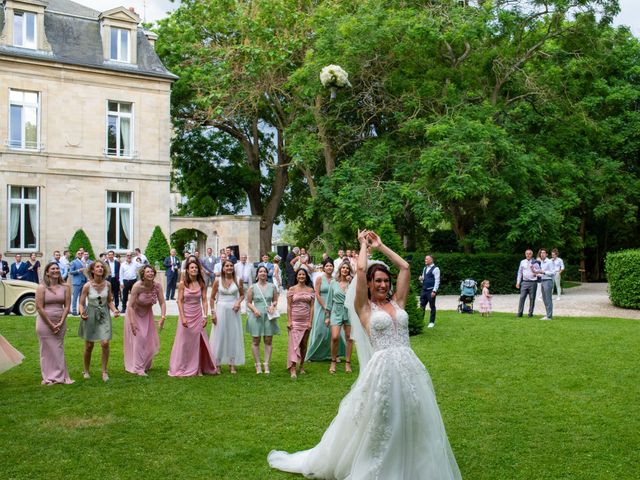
<point>320,339</point>
<point>261,326</point>
<point>335,303</point>
<point>97,326</point>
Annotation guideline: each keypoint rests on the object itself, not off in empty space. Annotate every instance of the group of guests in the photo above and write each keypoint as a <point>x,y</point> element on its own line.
<point>27,271</point>
<point>543,271</point>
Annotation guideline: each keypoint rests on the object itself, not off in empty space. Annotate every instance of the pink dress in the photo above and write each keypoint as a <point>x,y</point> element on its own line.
<point>52,362</point>
<point>300,310</point>
<point>9,356</point>
<point>485,301</point>
<point>139,349</point>
<point>190,354</point>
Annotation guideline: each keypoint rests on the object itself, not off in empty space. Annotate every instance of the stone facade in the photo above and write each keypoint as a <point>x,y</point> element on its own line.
<point>70,166</point>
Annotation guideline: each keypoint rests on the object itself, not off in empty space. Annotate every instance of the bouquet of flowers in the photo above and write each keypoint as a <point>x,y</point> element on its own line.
<point>334,77</point>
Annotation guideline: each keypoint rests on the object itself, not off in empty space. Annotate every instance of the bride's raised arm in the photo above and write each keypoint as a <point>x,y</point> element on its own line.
<point>361,301</point>
<point>404,274</point>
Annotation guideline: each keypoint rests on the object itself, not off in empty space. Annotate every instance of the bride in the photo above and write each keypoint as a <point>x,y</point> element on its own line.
<point>388,426</point>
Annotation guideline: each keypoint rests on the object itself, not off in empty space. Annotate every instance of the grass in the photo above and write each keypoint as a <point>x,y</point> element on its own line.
<point>521,399</point>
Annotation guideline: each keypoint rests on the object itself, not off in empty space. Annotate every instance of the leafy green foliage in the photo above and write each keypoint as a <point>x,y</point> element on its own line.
<point>80,239</point>
<point>157,248</point>
<point>416,314</point>
<point>499,268</point>
<point>623,274</point>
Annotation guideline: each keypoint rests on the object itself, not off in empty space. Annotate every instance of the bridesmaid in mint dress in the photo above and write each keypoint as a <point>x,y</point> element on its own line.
<point>262,299</point>
<point>320,338</point>
<point>190,354</point>
<point>95,323</point>
<point>340,315</point>
<point>141,339</point>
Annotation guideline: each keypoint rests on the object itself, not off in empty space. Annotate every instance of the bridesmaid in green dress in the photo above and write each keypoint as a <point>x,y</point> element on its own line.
<point>262,300</point>
<point>340,315</point>
<point>320,341</point>
<point>95,323</point>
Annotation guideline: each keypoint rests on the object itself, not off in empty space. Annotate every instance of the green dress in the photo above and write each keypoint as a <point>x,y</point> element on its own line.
<point>97,326</point>
<point>320,338</point>
<point>261,326</point>
<point>335,303</point>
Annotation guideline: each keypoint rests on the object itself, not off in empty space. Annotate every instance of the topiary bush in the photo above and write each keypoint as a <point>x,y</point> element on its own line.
<point>80,239</point>
<point>157,248</point>
<point>416,315</point>
<point>499,268</point>
<point>623,273</point>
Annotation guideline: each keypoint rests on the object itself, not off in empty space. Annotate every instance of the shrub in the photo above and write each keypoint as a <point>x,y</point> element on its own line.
<point>416,315</point>
<point>499,268</point>
<point>157,248</point>
<point>80,239</point>
<point>623,273</point>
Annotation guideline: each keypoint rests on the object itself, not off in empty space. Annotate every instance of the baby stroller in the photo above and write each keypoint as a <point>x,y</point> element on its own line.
<point>468,290</point>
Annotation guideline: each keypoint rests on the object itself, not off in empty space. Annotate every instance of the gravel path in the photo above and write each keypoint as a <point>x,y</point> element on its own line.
<point>587,300</point>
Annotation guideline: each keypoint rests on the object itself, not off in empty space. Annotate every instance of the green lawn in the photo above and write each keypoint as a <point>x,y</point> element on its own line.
<point>521,399</point>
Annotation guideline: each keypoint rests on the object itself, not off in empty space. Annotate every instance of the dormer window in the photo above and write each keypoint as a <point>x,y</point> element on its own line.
<point>24,30</point>
<point>120,45</point>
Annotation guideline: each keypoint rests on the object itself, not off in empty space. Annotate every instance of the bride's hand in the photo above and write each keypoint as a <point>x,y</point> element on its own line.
<point>363,236</point>
<point>374,239</point>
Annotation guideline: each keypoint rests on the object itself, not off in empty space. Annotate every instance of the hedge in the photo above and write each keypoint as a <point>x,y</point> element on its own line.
<point>499,268</point>
<point>623,273</point>
<point>80,239</point>
<point>157,248</point>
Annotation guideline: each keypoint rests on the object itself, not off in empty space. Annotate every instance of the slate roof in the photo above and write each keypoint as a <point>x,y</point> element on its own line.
<point>73,31</point>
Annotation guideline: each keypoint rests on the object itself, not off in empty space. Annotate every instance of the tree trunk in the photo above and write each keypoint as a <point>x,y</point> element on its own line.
<point>583,255</point>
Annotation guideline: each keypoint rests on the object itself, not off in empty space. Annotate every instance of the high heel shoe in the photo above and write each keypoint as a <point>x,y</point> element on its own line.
<point>332,368</point>
<point>292,370</point>
<point>347,367</point>
<point>86,375</point>
<point>232,369</point>
<point>105,377</point>
<point>266,368</point>
<point>258,369</point>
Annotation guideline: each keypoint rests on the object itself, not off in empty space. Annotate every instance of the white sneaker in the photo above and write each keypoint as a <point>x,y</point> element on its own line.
<point>431,325</point>
<point>545,318</point>
<point>557,298</point>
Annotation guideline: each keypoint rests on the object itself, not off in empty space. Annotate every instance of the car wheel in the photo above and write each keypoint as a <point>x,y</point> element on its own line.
<point>26,306</point>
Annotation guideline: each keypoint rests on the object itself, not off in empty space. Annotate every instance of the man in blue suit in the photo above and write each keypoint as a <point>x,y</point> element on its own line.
<point>4,268</point>
<point>172,267</point>
<point>78,278</point>
<point>19,269</point>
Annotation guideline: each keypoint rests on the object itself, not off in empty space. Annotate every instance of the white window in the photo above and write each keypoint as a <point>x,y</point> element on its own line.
<point>24,110</point>
<point>119,131</point>
<point>24,29</point>
<point>119,208</point>
<point>120,45</point>
<point>23,218</point>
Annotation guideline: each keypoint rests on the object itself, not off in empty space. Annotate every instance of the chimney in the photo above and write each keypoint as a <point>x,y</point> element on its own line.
<point>151,37</point>
<point>132,10</point>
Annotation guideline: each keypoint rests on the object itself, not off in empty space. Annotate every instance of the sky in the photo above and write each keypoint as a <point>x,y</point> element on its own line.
<point>156,9</point>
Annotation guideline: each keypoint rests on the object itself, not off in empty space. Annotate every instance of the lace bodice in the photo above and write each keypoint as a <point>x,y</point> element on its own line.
<point>228,295</point>
<point>385,332</point>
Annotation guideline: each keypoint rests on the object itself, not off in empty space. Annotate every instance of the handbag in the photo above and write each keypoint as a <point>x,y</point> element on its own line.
<point>270,315</point>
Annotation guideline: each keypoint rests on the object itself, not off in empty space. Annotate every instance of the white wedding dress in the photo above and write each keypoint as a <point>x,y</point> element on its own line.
<point>388,427</point>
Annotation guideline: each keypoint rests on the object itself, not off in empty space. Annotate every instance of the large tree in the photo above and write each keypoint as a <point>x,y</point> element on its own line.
<point>234,59</point>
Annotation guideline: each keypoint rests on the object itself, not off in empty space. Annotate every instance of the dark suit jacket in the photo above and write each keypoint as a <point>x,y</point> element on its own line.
<point>168,271</point>
<point>4,269</point>
<point>115,275</point>
<point>17,273</point>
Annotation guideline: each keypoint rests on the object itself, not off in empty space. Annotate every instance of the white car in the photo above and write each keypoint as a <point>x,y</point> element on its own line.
<point>18,296</point>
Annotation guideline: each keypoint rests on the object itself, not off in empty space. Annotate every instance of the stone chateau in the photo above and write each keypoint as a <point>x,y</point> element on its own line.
<point>86,134</point>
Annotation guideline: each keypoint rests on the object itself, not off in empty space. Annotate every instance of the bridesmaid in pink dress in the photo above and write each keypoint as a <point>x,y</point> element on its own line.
<point>141,340</point>
<point>53,299</point>
<point>300,300</point>
<point>190,354</point>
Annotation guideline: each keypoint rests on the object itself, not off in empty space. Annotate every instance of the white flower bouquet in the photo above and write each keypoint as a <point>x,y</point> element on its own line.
<point>334,77</point>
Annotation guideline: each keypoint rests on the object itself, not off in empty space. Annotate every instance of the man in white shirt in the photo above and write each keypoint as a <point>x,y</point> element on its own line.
<point>64,264</point>
<point>142,257</point>
<point>430,279</point>
<point>547,272</point>
<point>337,263</point>
<point>527,282</point>
<point>244,271</point>
<point>559,267</point>
<point>114,276</point>
<point>128,276</point>
<point>217,269</point>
